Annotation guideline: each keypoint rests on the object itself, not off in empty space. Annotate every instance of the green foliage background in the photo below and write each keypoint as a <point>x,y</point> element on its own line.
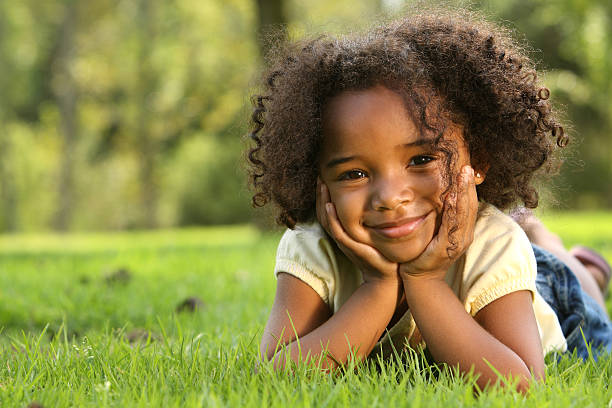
<point>160,101</point>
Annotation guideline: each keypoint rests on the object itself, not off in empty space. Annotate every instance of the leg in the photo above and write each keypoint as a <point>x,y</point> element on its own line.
<point>541,236</point>
<point>596,264</point>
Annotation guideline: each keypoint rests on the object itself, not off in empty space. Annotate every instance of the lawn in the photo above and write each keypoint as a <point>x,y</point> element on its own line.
<point>94,320</point>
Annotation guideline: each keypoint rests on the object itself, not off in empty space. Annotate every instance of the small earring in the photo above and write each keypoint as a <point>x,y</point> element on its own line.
<point>478,175</point>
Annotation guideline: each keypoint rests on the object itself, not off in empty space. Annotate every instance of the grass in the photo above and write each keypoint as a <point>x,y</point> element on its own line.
<point>75,332</point>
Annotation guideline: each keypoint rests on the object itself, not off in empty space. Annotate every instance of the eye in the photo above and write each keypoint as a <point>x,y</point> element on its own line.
<point>420,160</point>
<point>353,175</point>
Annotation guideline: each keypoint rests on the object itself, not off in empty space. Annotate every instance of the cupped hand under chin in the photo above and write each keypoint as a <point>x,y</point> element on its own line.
<point>454,236</point>
<point>374,266</point>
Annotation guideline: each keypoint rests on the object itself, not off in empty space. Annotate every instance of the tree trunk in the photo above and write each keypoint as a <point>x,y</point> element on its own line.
<point>271,24</point>
<point>7,187</point>
<point>8,194</point>
<point>146,146</point>
<point>65,92</point>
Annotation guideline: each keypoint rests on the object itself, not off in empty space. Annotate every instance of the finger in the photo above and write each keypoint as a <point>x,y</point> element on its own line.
<point>325,197</point>
<point>343,239</point>
<point>473,204</point>
<point>320,206</point>
<point>336,229</point>
<point>463,180</point>
<point>457,229</point>
<point>467,205</point>
<point>449,218</point>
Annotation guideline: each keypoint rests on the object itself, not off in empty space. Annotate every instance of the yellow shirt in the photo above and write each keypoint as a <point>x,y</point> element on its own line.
<point>499,261</point>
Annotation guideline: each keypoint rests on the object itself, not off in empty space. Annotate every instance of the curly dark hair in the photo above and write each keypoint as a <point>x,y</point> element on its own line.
<point>446,65</point>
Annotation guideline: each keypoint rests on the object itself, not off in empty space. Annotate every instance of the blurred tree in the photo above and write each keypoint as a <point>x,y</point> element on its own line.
<point>271,23</point>
<point>573,39</point>
<point>8,198</point>
<point>8,219</point>
<point>146,85</point>
<point>65,92</point>
<point>129,114</point>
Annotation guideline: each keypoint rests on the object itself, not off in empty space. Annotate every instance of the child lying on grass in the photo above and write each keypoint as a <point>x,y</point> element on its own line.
<point>390,156</point>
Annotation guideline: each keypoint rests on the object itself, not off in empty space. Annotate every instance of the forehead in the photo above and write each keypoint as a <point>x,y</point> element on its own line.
<point>377,119</point>
<point>372,112</point>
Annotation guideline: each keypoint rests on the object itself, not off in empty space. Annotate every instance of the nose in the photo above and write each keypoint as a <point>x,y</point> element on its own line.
<point>391,192</point>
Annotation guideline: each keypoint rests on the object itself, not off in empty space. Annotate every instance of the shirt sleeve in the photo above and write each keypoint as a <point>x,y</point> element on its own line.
<point>306,254</point>
<point>500,261</point>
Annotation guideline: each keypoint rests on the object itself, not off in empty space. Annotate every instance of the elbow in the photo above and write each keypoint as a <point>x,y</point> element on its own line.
<point>270,347</point>
<point>527,380</point>
<point>276,357</point>
<point>524,385</point>
<point>285,357</point>
<point>264,357</point>
<point>265,353</point>
<point>531,376</point>
<point>521,379</point>
<point>279,356</point>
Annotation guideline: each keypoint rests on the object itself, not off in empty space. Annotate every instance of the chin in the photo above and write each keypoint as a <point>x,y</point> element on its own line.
<point>401,256</point>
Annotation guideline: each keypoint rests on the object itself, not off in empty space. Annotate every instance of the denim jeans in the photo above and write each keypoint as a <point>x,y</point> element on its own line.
<point>582,319</point>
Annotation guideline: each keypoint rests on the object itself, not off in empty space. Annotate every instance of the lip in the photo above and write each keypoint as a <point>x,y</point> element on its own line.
<point>399,228</point>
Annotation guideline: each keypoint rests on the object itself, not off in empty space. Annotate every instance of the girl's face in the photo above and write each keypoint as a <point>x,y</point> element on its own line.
<point>383,177</point>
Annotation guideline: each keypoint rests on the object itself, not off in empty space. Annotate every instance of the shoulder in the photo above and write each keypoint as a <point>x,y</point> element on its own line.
<point>493,225</point>
<point>497,235</point>
<point>499,261</point>
<point>306,240</point>
<point>307,253</point>
<point>499,240</point>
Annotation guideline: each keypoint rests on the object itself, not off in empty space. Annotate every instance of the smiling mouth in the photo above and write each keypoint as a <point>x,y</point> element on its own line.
<point>400,228</point>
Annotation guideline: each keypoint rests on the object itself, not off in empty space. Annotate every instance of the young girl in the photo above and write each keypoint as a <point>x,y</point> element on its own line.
<point>389,156</point>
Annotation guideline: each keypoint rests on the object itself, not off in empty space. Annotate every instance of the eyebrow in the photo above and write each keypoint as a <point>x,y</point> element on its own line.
<point>338,161</point>
<point>341,160</point>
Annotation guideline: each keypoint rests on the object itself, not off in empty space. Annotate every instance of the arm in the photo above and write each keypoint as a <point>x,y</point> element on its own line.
<point>503,334</point>
<point>355,328</point>
<point>296,299</point>
<point>301,320</point>
<point>510,315</point>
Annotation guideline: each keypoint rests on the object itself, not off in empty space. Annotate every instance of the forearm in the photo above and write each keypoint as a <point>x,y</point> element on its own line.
<point>455,338</point>
<point>354,329</point>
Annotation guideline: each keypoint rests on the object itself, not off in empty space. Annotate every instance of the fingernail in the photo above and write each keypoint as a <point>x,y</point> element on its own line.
<point>328,207</point>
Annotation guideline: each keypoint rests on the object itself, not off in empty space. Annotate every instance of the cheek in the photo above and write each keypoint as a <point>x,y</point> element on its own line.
<point>430,186</point>
<point>349,207</point>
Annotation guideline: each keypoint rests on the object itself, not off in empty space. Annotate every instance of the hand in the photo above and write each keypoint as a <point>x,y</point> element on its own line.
<point>372,264</point>
<point>458,219</point>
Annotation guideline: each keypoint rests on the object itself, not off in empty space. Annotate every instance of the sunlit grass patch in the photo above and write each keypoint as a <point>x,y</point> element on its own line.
<point>73,337</point>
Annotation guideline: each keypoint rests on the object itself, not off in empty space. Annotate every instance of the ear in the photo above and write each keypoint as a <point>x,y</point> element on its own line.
<point>480,172</point>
